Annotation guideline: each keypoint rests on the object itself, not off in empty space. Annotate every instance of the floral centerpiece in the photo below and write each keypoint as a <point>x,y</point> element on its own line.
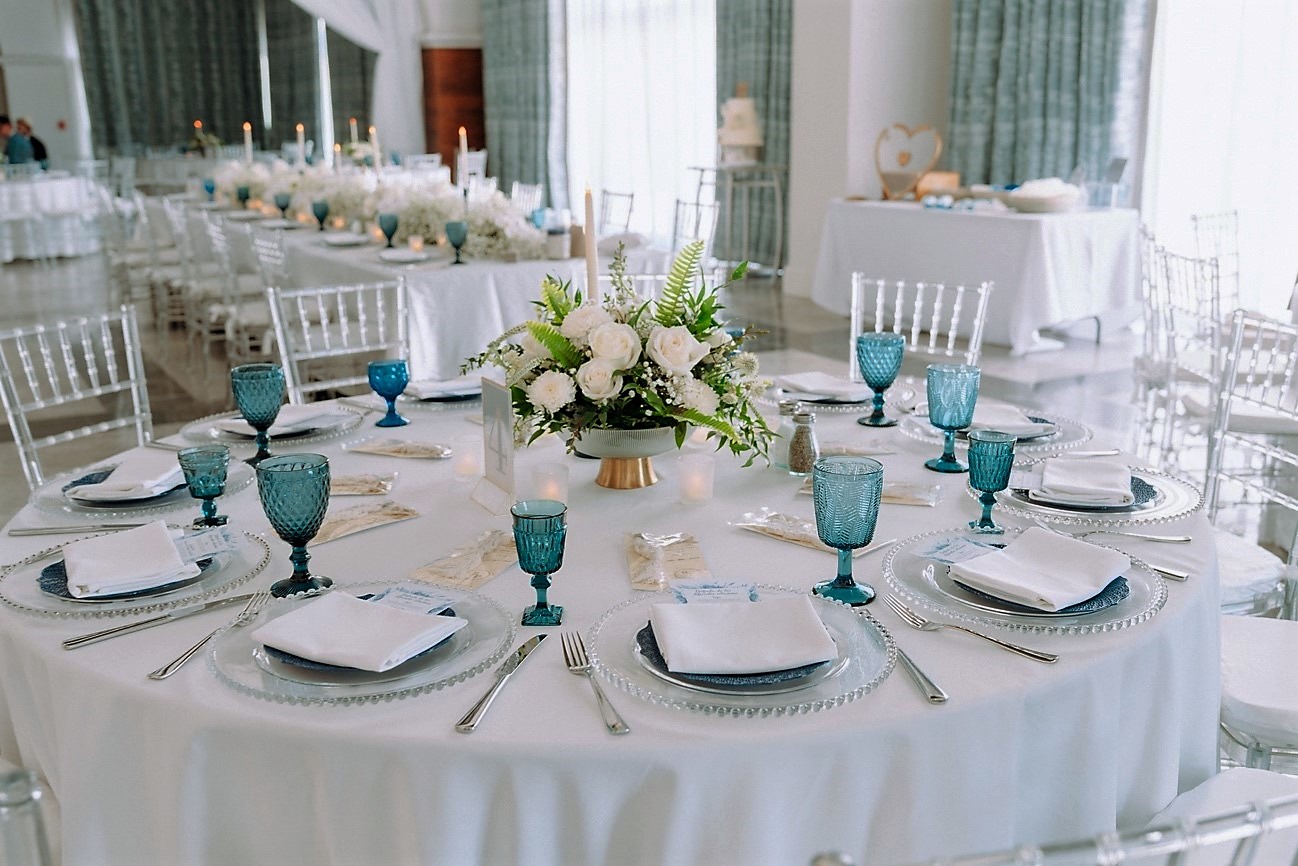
<point>626,364</point>
<point>234,174</point>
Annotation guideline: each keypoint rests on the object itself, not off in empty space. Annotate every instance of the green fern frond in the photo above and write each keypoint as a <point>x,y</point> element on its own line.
<point>698,419</point>
<point>671,303</point>
<point>555,343</point>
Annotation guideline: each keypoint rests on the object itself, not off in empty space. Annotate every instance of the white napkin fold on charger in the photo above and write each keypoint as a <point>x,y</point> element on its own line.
<point>742,637</point>
<point>459,386</point>
<point>1090,481</point>
<point>140,473</point>
<point>126,561</point>
<point>1043,570</point>
<point>291,419</point>
<point>607,246</point>
<point>339,629</point>
<point>834,387</point>
<point>991,415</point>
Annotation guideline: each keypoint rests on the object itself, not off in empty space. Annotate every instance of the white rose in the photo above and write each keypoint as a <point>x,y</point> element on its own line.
<point>599,379</point>
<point>581,321</point>
<point>552,391</point>
<point>697,395</point>
<point>616,343</point>
<point>675,349</point>
<point>532,347</point>
<point>719,338</point>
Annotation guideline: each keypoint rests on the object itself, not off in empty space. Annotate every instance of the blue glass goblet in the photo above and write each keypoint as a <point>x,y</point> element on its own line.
<point>242,193</point>
<point>991,457</point>
<point>457,232</point>
<point>205,469</point>
<point>846,492</point>
<point>389,379</point>
<point>320,210</point>
<point>540,528</point>
<point>282,201</point>
<point>388,225</point>
<point>209,187</point>
<point>879,357</point>
<point>258,392</point>
<point>952,392</point>
<point>294,490</point>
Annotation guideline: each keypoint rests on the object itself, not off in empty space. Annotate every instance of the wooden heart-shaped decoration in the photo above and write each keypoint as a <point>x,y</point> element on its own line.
<point>896,149</point>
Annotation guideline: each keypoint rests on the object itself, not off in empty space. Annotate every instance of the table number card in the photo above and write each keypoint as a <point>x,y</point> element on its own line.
<point>495,492</point>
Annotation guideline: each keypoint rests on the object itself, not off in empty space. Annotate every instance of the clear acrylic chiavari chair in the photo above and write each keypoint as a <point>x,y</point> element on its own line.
<point>938,320</point>
<point>615,211</point>
<point>525,197</point>
<point>694,222</point>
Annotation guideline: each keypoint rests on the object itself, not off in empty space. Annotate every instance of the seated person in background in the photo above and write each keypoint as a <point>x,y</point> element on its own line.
<point>18,149</point>
<point>39,153</point>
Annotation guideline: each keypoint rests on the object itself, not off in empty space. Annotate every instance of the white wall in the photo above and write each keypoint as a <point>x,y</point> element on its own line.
<point>858,67</point>
<point>452,24</point>
<point>43,75</point>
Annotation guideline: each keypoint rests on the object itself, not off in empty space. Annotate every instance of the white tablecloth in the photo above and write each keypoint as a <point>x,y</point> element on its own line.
<point>1048,268</point>
<point>47,217</point>
<point>188,771</point>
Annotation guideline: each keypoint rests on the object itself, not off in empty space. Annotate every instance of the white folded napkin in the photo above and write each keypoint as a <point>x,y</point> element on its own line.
<point>1088,481</point>
<point>743,637</point>
<point>291,419</point>
<point>339,629</point>
<point>459,386</point>
<point>1043,570</point>
<point>140,473</point>
<point>125,561</point>
<point>992,415</point>
<point>631,240</point>
<point>830,386</point>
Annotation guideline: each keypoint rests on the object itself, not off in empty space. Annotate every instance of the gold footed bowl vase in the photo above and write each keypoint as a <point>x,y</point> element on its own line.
<point>626,456</point>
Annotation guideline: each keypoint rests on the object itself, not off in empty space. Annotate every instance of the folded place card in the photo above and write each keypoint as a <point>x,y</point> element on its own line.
<point>358,518</point>
<point>126,561</point>
<point>361,485</point>
<point>741,637</point>
<point>896,492</point>
<point>654,560</point>
<point>140,473</point>
<point>472,565</point>
<point>1092,481</point>
<point>786,527</point>
<point>403,448</point>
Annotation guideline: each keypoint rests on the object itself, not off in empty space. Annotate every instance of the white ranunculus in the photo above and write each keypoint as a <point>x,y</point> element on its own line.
<point>578,324</point>
<point>599,379</point>
<point>697,395</point>
<point>675,349</point>
<point>616,343</point>
<point>552,391</point>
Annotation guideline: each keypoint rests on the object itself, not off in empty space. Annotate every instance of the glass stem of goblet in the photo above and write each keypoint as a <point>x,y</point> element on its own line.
<point>987,500</point>
<point>844,578</point>
<point>948,446</point>
<point>541,583</point>
<point>878,406</point>
<point>263,448</point>
<point>209,512</point>
<point>299,557</point>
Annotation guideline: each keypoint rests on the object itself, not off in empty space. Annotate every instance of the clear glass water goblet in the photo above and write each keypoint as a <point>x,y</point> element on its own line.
<point>242,193</point>
<point>320,210</point>
<point>294,491</point>
<point>205,469</point>
<point>846,492</point>
<point>457,232</point>
<point>209,187</point>
<point>879,357</point>
<point>952,393</point>
<point>389,379</point>
<point>258,393</point>
<point>388,225</point>
<point>282,201</point>
<point>540,530</point>
<point>991,457</point>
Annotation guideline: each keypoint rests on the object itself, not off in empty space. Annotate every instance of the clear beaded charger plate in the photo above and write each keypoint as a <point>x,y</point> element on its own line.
<point>20,589</point>
<point>899,398</point>
<point>1166,498</point>
<point>927,584</point>
<point>52,496</point>
<point>205,430</point>
<point>866,655</point>
<point>1067,433</point>
<point>407,403</point>
<point>241,663</point>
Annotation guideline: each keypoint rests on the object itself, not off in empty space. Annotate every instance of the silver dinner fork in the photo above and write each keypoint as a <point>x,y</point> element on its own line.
<point>574,655</point>
<point>245,616</point>
<point>916,621</point>
<point>1145,536</point>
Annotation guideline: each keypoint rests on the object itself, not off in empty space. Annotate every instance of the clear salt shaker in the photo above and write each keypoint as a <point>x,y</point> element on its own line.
<point>803,448</point>
<point>779,450</point>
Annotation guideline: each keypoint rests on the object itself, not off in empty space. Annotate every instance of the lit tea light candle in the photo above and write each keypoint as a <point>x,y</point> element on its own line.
<point>550,481</point>
<point>376,235</point>
<point>416,243</point>
<point>337,223</point>
<point>695,473</point>
<point>466,455</point>
<point>699,436</point>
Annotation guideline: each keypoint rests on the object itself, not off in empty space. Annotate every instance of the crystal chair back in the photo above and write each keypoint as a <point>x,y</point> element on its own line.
<point>525,197</point>
<point>937,319</point>
<point>469,164</point>
<point>615,211</point>
<point>694,222</point>
<point>1216,236</point>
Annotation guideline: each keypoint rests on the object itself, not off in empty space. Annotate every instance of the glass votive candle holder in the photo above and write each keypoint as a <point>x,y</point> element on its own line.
<point>550,481</point>
<point>466,455</point>
<point>338,223</point>
<point>695,473</point>
<point>416,243</point>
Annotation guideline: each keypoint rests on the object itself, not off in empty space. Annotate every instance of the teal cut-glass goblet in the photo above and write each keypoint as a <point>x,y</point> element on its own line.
<point>205,469</point>
<point>209,187</point>
<point>952,393</point>
<point>320,210</point>
<point>242,193</point>
<point>879,357</point>
<point>540,529</point>
<point>258,393</point>
<point>294,490</point>
<point>846,492</point>
<point>389,379</point>
<point>457,232</point>
<point>282,201</point>
<point>388,225</point>
<point>991,457</point>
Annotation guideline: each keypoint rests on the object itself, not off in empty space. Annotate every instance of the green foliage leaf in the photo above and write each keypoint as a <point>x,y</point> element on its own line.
<point>555,298</point>
<point>673,298</point>
<point>556,344</point>
<point>740,271</point>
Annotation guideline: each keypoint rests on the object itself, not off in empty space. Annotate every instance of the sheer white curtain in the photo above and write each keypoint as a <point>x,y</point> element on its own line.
<point>641,102</point>
<point>1223,128</point>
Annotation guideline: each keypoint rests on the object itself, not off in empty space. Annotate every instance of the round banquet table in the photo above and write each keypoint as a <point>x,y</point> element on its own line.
<point>189,771</point>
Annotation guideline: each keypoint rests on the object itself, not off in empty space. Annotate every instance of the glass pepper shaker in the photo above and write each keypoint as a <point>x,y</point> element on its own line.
<point>803,448</point>
<point>783,434</point>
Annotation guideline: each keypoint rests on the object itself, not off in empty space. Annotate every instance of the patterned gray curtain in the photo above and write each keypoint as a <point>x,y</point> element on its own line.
<point>151,71</point>
<point>516,90</point>
<point>1035,84</point>
<point>351,77</point>
<point>294,85</point>
<point>754,39</point>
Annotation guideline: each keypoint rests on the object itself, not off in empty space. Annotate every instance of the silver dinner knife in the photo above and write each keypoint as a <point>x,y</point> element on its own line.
<point>503,673</point>
<point>138,625</point>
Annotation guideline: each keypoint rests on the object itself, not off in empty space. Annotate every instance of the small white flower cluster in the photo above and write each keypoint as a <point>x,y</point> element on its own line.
<point>234,174</point>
